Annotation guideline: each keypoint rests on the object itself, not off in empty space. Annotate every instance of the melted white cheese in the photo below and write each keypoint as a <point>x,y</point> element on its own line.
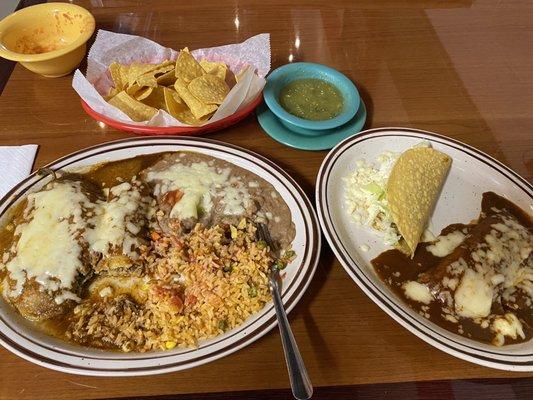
<point>235,198</point>
<point>200,182</point>
<point>500,262</point>
<point>49,244</point>
<point>112,223</point>
<point>445,245</point>
<point>195,181</point>
<point>473,297</point>
<point>508,325</point>
<point>417,292</point>
<point>66,295</point>
<point>105,292</point>
<point>48,248</point>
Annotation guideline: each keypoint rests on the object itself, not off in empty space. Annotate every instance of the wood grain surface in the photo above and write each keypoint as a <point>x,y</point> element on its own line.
<point>460,68</point>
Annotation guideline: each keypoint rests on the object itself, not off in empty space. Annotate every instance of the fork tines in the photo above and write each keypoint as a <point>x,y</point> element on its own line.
<point>264,234</point>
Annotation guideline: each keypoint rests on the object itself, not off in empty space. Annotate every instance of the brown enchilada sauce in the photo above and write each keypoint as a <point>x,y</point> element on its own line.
<point>395,269</point>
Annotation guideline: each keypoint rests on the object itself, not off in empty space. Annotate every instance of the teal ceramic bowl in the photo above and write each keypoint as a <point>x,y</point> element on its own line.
<point>288,73</point>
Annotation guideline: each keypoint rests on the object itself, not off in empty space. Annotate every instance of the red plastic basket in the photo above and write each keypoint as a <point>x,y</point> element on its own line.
<point>176,130</point>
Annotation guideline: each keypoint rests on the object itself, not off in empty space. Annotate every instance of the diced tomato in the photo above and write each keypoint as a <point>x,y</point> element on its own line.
<point>172,197</point>
<point>178,243</point>
<point>190,300</point>
<point>169,295</point>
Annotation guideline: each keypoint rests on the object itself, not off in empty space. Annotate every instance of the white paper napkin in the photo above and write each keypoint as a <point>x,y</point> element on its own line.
<point>15,165</point>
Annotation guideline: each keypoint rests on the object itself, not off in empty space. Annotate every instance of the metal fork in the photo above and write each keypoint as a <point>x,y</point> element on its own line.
<point>301,386</point>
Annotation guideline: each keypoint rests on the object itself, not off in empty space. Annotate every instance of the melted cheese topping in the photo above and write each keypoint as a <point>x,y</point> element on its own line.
<point>200,182</point>
<point>473,297</point>
<point>445,245</point>
<point>113,226</point>
<point>508,325</point>
<point>66,295</point>
<point>49,248</point>
<point>235,197</point>
<point>417,292</point>
<point>498,267</point>
<point>60,220</point>
<point>196,181</point>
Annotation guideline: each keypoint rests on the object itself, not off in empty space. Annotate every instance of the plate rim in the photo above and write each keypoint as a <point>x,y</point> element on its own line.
<point>308,267</point>
<point>393,307</point>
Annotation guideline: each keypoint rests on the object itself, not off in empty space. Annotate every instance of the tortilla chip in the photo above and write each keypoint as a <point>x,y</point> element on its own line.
<point>164,67</point>
<point>156,98</point>
<point>413,188</point>
<point>115,69</point>
<point>187,68</point>
<point>215,68</point>
<point>146,80</point>
<point>136,110</point>
<point>141,89</point>
<point>167,78</point>
<point>175,106</point>
<point>143,93</point>
<point>137,69</point>
<point>208,65</point>
<point>209,89</point>
<point>112,93</point>
<point>133,89</point>
<point>403,246</point>
<point>149,78</point>
<point>188,118</point>
<point>173,102</point>
<point>198,109</point>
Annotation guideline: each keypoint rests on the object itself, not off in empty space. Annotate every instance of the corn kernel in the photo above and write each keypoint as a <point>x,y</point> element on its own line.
<point>170,345</point>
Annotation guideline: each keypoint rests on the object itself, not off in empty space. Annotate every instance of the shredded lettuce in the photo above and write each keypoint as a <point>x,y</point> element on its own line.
<point>366,199</point>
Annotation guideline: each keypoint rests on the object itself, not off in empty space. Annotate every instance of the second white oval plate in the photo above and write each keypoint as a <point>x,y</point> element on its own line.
<point>472,173</point>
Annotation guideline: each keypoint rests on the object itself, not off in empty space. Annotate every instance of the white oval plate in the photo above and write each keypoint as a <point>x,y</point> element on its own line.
<point>471,174</point>
<point>18,336</point>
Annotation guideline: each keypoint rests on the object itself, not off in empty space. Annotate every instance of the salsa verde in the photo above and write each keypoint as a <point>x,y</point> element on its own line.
<point>312,99</point>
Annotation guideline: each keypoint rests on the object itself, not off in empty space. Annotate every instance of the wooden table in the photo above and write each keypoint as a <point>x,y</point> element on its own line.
<point>460,68</point>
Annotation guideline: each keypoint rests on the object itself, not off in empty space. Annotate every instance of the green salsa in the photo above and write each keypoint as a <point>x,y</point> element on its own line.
<point>312,99</point>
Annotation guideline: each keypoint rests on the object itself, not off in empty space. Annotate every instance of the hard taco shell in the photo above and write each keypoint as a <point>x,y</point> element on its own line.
<point>412,191</point>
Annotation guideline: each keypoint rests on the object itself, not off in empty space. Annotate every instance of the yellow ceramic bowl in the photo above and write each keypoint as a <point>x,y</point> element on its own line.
<point>49,39</point>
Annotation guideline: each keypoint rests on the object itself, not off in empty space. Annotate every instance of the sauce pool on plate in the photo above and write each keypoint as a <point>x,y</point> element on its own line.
<point>475,278</point>
<point>311,99</point>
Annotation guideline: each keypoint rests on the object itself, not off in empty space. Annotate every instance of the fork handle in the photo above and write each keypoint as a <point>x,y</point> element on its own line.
<point>301,386</point>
